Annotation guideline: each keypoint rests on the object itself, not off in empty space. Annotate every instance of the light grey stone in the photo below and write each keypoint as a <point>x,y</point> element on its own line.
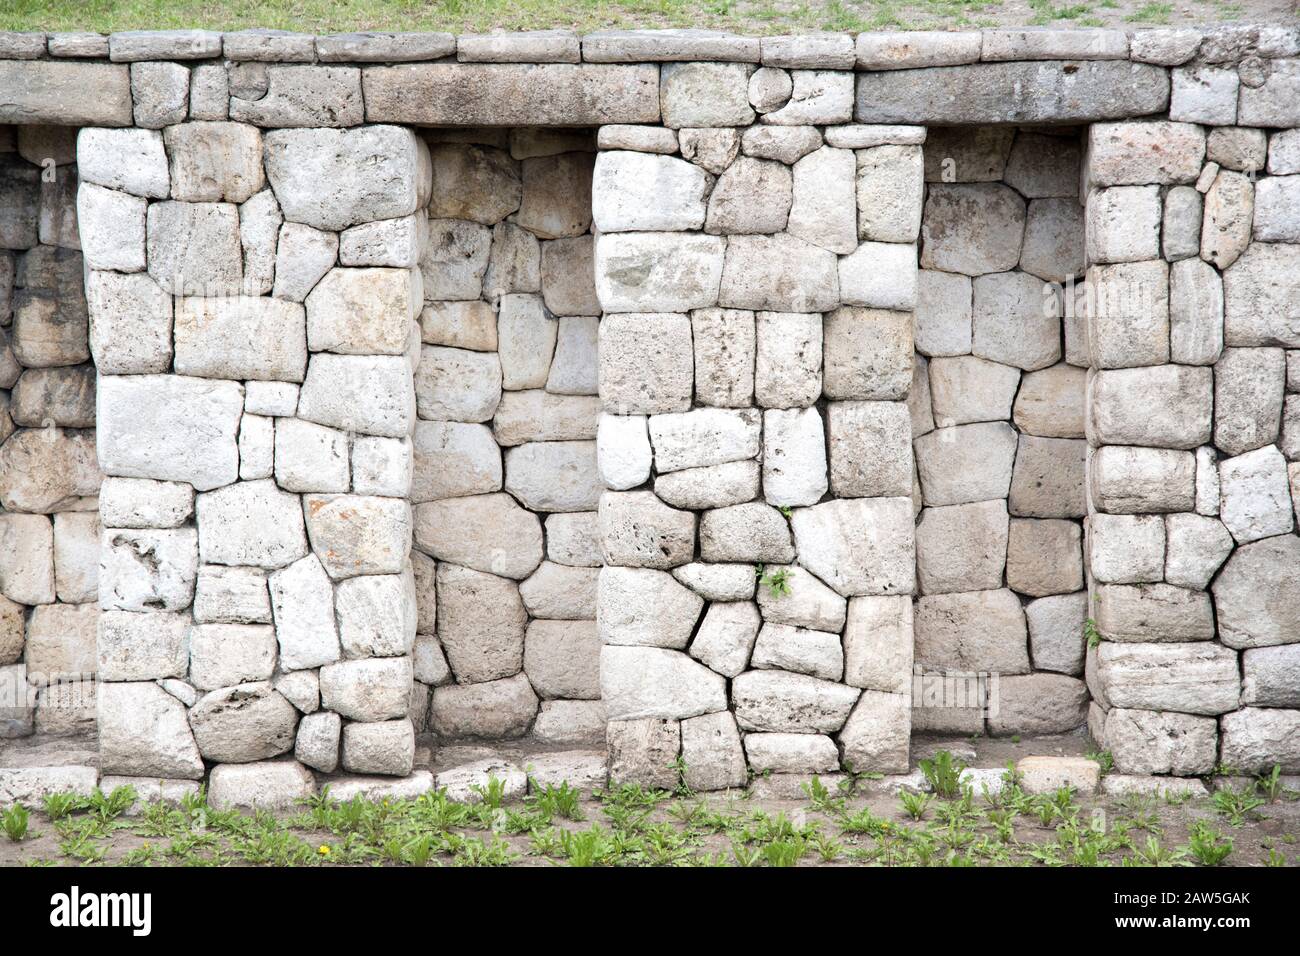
<point>966,463</point>
<point>112,227</point>
<point>890,187</point>
<point>786,144</point>
<point>713,149</point>
<point>781,702</point>
<point>943,313</point>
<point>1044,556</point>
<point>1228,214</point>
<point>488,533</point>
<point>751,196</point>
<point>641,272</point>
<point>231,595</point>
<point>718,582</point>
<point>725,346</point>
<point>972,631</point>
<point>129,160</point>
<point>645,752</point>
<point>858,546</point>
<point>788,369</point>
<point>1126,549</point>
<point>160,92</point>
<point>881,275</point>
<point>705,94</point>
<point>145,569</point>
<point>143,731</point>
<point>1056,640</point>
<point>1252,594</point>
<point>1195,548</point>
<point>962,547</point>
<point>972,229</point>
<point>633,191</point>
<point>1259,738</point>
<point>1190,678</point>
<point>302,601</point>
<point>870,455</point>
<point>244,723</point>
<point>641,682</point>
<point>493,709</point>
<point>1270,676</point>
<point>1255,495</point>
<point>817,98</point>
<point>878,643</point>
<point>376,615</point>
<point>535,415</point>
<point>455,259</point>
<point>1168,406</point>
<point>753,532</point>
<point>713,486</point>
<point>779,273</point>
<point>794,457</point>
<point>705,436</point>
<point>823,210</point>
<point>798,650</point>
<point>867,354</point>
<point>559,592</point>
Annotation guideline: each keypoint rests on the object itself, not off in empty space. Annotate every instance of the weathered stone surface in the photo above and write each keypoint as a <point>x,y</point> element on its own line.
<point>560,592</point>
<point>704,437</point>
<point>271,785</point>
<point>1042,775</point>
<point>881,275</point>
<point>966,463</point>
<point>464,325</point>
<point>817,98</point>
<point>890,185</point>
<point>972,229</point>
<point>1226,227</point>
<point>713,486</point>
<point>1256,739</point>
<point>780,702</point>
<point>143,731</point>
<point>1181,230</point>
<point>384,747</point>
<point>515,262</point>
<point>562,659</point>
<point>867,354</point>
<point>250,523</point>
<point>713,149</point>
<point>1124,224</point>
<point>368,690</point>
<point>978,630</point>
<point>859,546</point>
<point>1257,302</point>
<point>799,650</point>
<point>725,345</point>
<point>494,709</point>
<point>570,721</point>
<point>1195,548</point>
<point>376,615</point>
<point>568,284</point>
<point>129,160</point>
<point>1189,678</point>
<point>243,724</point>
<point>718,582</point>
<point>452,459</point>
<point>962,547</point>
<point>46,470</point>
<point>455,259</point>
<point>1153,612</point>
<point>147,569</point>
<point>623,451</point>
<point>480,624</point>
<point>1056,632</point>
<point>1253,596</point>
<point>370,394</point>
<point>160,93</point>
<point>966,389</point>
<point>535,415</point>
<point>726,637</point>
<point>1013,323</point>
<point>1039,704</point>
<point>1121,154</point>
<point>358,534</point>
<point>130,323</point>
<point>63,397</point>
<point>870,455</point>
<point>751,196</point>
<point>457,384</point>
<point>1271,676</point>
<point>1255,495</point>
<point>642,139</point>
<point>490,94</point>
<point>112,227</point>
<point>575,367</point>
<point>640,191</point>
<point>788,371</point>
<point>60,642</point>
<point>1053,249</point>
<point>328,178</point>
<point>639,682</point>
<point>769,89</point>
<point>484,532</point>
<point>226,654</point>
<point>823,210</point>
<point>1126,549</point>
<point>644,607</point>
<point>878,644</point>
<point>303,256</point>
<point>794,457</point>
<point>1128,314</point>
<point>1143,741</point>
<point>791,753</point>
<point>554,476</point>
<point>1130,480</point>
<point>640,272</point>
<point>1195,313</point>
<point>753,532</point>
<point>362,311</point>
<point>151,646</point>
<point>302,601</point>
<point>645,752</point>
<point>712,753</point>
<point>1248,396</point>
<point>639,530</point>
<point>778,273</point>
<point>1169,406</point>
<point>645,363</point>
<point>786,144</point>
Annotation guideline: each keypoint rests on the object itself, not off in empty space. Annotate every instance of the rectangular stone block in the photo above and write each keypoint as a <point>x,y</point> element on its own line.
<point>72,94</point>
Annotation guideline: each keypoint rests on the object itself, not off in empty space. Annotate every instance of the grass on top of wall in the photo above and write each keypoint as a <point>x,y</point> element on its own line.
<point>744,16</point>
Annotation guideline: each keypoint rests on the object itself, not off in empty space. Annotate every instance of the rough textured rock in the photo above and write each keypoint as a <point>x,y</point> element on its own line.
<point>143,731</point>
<point>870,455</point>
<point>972,229</point>
<point>639,682</point>
<point>554,476</point>
<point>485,532</point>
<point>966,463</point>
<point>1255,495</point>
<point>858,546</point>
<point>645,363</point>
<point>1253,594</point>
<point>780,702</point>
<point>1191,678</point>
<point>1129,480</point>
<point>779,273</point>
<point>712,753</point>
<point>753,532</point>
<point>272,785</point>
<point>644,607</point>
<point>973,631</point>
<point>370,394</point>
<point>867,354</point>
<point>752,196</point>
<point>1056,632</point>
<point>643,272</point>
<point>878,644</point>
<point>640,191</point>
<point>961,547</point>
<point>639,530</point>
<point>645,751</point>
<point>494,709</point>
<point>1039,704</point>
<point>1255,739</point>
<point>243,724</point>
<point>358,534</point>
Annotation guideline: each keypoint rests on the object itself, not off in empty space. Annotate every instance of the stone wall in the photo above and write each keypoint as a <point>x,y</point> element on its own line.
<point>998,423</point>
<point>1194,432</point>
<point>49,532</point>
<point>311,355</point>
<point>505,486</point>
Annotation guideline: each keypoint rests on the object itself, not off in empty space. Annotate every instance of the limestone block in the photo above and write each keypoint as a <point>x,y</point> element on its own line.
<point>493,709</point>
<point>1130,480</point>
<point>147,569</point>
<point>646,363</point>
<point>725,347</point>
<point>641,682</point>
<point>643,192</point>
<point>130,323</point>
<point>972,229</point>
<point>1169,406</point>
<point>1188,678</point>
<point>1044,556</point>
<point>554,476</point>
<point>1013,322</point>
<point>1253,596</point>
<point>562,659</point>
<point>1056,639</point>
<point>779,273</point>
<point>961,547</point>
<point>1255,498</point>
<point>780,702</point>
<point>878,643</point>
<point>967,389</point>
<point>867,354</point>
<point>966,463</point>
<point>642,272</point>
<point>858,546</point>
<point>489,533</point>
<point>870,454</point>
<point>798,650</point>
<point>1128,314</point>
<point>794,456</point>
<point>1248,396</point>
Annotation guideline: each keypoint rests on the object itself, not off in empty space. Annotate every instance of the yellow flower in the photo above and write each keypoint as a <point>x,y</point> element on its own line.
<point>323,850</point>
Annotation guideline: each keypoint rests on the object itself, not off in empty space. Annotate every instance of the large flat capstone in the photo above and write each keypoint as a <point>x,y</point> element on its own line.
<point>511,94</point>
<point>73,94</point>
<point>1016,92</point>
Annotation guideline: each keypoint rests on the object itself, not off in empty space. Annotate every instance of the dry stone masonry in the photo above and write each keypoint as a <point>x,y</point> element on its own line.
<point>740,405</point>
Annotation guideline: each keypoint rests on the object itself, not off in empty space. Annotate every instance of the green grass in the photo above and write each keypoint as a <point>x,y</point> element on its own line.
<point>471,16</point>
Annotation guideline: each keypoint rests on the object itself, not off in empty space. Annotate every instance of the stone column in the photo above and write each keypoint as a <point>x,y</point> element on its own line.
<point>1192,547</point>
<point>757,279</point>
<point>252,299</point>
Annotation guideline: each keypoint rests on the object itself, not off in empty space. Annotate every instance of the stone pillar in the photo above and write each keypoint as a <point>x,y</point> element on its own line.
<point>49,533</point>
<point>1192,548</point>
<point>998,421</point>
<point>757,278</point>
<point>252,301</point>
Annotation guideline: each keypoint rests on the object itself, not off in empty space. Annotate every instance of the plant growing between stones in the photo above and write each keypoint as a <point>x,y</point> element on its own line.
<point>14,822</point>
<point>1209,846</point>
<point>1270,784</point>
<point>1103,758</point>
<point>943,773</point>
<point>777,582</point>
<point>1091,634</point>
